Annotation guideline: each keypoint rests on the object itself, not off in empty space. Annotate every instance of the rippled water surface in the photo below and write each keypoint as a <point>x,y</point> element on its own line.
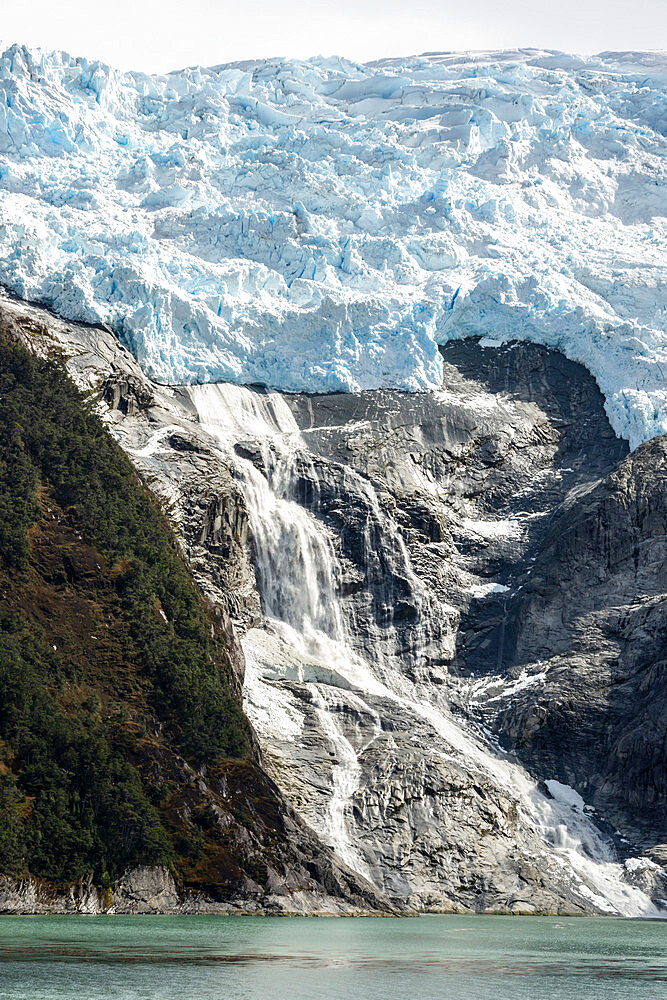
<point>239,958</point>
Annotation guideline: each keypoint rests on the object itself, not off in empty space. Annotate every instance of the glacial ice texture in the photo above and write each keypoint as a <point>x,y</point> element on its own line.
<point>324,225</point>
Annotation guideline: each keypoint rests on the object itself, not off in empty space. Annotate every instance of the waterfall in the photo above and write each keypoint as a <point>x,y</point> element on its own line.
<point>308,640</point>
<point>296,567</point>
<point>297,574</point>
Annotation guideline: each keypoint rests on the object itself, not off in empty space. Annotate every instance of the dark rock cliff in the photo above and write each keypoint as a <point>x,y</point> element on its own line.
<point>595,609</point>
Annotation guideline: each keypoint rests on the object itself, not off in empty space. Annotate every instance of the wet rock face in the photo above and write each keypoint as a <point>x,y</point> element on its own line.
<point>490,563</point>
<point>469,478</point>
<point>560,572</point>
<point>595,612</point>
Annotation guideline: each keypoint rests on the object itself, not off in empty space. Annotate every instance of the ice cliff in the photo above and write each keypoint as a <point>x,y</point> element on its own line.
<point>325,225</point>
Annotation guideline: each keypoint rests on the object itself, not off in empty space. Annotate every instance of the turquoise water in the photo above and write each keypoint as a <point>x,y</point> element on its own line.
<point>239,958</point>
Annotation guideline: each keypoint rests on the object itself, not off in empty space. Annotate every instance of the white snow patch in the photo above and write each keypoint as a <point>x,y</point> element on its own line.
<point>481,590</point>
<point>525,680</point>
<point>502,528</point>
<point>565,794</point>
<point>641,864</point>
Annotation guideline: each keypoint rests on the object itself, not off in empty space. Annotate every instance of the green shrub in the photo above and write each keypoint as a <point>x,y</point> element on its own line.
<point>74,802</point>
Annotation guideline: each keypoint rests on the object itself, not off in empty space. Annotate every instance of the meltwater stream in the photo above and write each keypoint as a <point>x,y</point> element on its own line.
<point>296,573</point>
<point>306,640</point>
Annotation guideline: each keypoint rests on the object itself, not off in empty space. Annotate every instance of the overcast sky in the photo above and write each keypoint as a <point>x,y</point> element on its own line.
<point>158,35</point>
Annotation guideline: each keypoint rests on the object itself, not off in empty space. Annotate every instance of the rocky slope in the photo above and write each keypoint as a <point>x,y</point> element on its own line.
<point>129,778</point>
<point>452,606</point>
<point>594,617</point>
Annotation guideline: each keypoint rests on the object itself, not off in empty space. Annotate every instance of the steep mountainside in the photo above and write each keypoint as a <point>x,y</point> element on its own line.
<point>595,612</point>
<point>125,758</point>
<point>394,563</point>
<point>386,343</point>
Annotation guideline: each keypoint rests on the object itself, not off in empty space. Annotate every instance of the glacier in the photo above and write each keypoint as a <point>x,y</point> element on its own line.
<point>322,225</point>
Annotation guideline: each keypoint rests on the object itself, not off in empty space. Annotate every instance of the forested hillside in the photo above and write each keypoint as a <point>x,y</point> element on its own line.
<point>106,648</point>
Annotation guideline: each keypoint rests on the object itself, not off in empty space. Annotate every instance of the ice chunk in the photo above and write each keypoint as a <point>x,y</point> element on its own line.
<point>563,793</point>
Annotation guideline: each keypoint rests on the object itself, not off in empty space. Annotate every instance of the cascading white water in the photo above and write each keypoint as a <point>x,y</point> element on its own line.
<point>296,569</point>
<point>299,575</point>
<point>294,556</point>
<point>295,563</point>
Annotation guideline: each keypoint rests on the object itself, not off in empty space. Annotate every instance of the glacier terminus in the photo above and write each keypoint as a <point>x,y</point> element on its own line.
<point>324,226</point>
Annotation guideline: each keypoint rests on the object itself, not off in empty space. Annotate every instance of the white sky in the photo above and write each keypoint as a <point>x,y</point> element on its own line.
<point>158,35</point>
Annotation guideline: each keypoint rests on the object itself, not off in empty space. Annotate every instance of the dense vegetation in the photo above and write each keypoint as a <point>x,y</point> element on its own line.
<point>105,643</point>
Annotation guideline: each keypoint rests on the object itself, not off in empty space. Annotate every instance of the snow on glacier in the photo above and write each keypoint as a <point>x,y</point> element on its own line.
<point>324,225</point>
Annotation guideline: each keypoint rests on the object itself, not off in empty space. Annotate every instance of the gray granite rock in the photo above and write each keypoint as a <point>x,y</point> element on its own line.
<point>499,570</point>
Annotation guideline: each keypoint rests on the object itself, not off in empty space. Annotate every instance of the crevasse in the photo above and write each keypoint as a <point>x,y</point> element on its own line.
<point>323,225</point>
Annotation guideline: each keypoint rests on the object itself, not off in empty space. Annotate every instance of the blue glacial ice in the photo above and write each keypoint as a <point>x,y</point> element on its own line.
<point>324,225</point>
